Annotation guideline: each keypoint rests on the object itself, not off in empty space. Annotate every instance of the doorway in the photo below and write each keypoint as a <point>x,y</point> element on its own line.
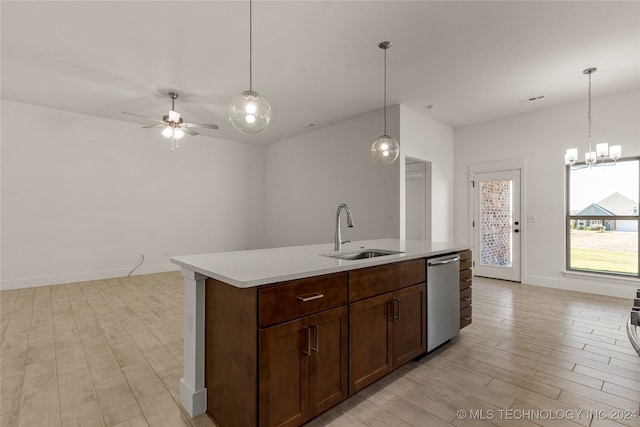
<point>497,225</point>
<point>417,199</point>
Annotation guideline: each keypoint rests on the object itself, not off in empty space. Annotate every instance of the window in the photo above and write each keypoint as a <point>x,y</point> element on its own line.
<point>602,219</point>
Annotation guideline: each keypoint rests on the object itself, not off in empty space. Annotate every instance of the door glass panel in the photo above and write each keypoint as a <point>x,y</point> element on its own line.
<point>496,216</point>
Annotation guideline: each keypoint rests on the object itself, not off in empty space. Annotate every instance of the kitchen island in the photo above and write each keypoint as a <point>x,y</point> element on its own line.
<point>255,298</point>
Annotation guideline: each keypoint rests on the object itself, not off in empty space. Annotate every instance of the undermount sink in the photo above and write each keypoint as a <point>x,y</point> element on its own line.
<point>362,254</point>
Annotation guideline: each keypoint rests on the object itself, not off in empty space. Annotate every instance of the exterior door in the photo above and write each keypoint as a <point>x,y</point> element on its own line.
<point>497,225</point>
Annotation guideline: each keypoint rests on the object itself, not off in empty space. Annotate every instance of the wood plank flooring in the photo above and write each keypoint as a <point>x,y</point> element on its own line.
<point>109,353</point>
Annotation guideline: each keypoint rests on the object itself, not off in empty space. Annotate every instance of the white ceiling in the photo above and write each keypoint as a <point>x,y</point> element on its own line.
<point>317,62</point>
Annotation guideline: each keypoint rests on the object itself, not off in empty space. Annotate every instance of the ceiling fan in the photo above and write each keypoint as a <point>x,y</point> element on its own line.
<point>173,125</point>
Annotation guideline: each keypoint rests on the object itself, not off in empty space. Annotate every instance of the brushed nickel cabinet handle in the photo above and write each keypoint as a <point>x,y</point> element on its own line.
<point>465,280</point>
<point>396,309</point>
<point>317,328</point>
<point>310,297</point>
<point>465,299</point>
<point>465,318</point>
<point>308,346</point>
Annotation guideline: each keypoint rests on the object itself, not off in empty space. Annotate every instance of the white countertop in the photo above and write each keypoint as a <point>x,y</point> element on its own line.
<point>245,269</point>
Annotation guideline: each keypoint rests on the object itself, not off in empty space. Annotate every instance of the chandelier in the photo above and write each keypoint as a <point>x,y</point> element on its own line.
<point>604,155</point>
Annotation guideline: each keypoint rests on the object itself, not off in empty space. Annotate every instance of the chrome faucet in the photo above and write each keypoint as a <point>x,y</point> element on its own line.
<point>338,238</point>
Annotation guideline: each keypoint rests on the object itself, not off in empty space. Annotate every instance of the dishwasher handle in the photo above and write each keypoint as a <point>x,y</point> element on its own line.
<point>443,262</point>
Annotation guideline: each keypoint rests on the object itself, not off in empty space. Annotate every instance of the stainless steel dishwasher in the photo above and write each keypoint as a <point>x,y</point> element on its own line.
<point>443,300</point>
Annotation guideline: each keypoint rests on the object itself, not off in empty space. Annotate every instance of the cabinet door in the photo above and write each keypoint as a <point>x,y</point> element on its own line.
<point>409,324</point>
<point>284,374</point>
<point>329,358</point>
<point>370,328</point>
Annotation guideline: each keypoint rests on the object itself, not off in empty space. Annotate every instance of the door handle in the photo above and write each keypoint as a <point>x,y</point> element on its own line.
<point>396,309</point>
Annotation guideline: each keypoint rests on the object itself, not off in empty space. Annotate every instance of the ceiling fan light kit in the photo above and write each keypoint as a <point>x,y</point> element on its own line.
<point>602,150</point>
<point>249,112</point>
<point>172,124</point>
<point>385,149</point>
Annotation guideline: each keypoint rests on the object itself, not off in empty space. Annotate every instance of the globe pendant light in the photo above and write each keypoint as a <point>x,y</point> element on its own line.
<point>249,112</point>
<point>385,149</point>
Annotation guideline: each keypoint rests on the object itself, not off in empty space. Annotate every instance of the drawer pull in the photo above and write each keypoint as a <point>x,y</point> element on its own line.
<point>465,299</point>
<point>310,297</point>
<point>465,280</point>
<point>465,318</point>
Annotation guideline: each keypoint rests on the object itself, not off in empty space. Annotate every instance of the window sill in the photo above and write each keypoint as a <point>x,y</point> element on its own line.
<point>602,277</point>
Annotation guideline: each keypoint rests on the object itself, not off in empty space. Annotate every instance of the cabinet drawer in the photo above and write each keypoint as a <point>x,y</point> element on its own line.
<point>465,298</point>
<point>465,317</point>
<point>465,279</point>
<point>466,261</point>
<point>290,300</point>
<point>387,278</point>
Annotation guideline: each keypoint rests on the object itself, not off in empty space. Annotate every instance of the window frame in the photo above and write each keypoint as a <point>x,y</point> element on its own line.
<point>585,218</point>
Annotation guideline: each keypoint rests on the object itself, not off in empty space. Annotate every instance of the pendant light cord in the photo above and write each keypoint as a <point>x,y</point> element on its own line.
<point>250,45</point>
<point>385,91</point>
<point>589,115</point>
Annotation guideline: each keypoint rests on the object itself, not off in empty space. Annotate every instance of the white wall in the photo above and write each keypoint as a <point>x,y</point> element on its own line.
<point>83,197</point>
<point>541,138</point>
<point>426,139</point>
<point>307,177</point>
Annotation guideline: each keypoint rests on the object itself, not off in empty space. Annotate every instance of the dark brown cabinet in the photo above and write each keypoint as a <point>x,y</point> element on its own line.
<point>409,324</point>
<point>466,280</point>
<point>303,368</point>
<point>387,325</point>
<point>386,331</point>
<point>282,354</point>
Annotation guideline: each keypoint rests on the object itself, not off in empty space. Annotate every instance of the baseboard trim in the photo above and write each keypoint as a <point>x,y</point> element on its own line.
<point>589,286</point>
<point>32,282</point>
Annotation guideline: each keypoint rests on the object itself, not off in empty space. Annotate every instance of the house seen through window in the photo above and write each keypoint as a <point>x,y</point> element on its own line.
<point>602,218</point>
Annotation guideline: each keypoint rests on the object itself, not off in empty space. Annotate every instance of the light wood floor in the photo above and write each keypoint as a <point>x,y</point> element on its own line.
<point>109,353</point>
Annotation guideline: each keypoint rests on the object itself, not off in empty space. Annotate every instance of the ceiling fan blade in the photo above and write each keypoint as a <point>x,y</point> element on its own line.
<point>189,131</point>
<point>159,125</point>
<point>144,117</point>
<point>200,125</point>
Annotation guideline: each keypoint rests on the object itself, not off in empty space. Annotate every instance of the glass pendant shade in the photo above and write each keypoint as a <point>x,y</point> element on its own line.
<point>385,149</point>
<point>249,112</point>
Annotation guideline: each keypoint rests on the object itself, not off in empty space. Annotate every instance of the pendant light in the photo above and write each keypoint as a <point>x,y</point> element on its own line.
<point>385,149</point>
<point>602,150</point>
<point>249,112</point>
